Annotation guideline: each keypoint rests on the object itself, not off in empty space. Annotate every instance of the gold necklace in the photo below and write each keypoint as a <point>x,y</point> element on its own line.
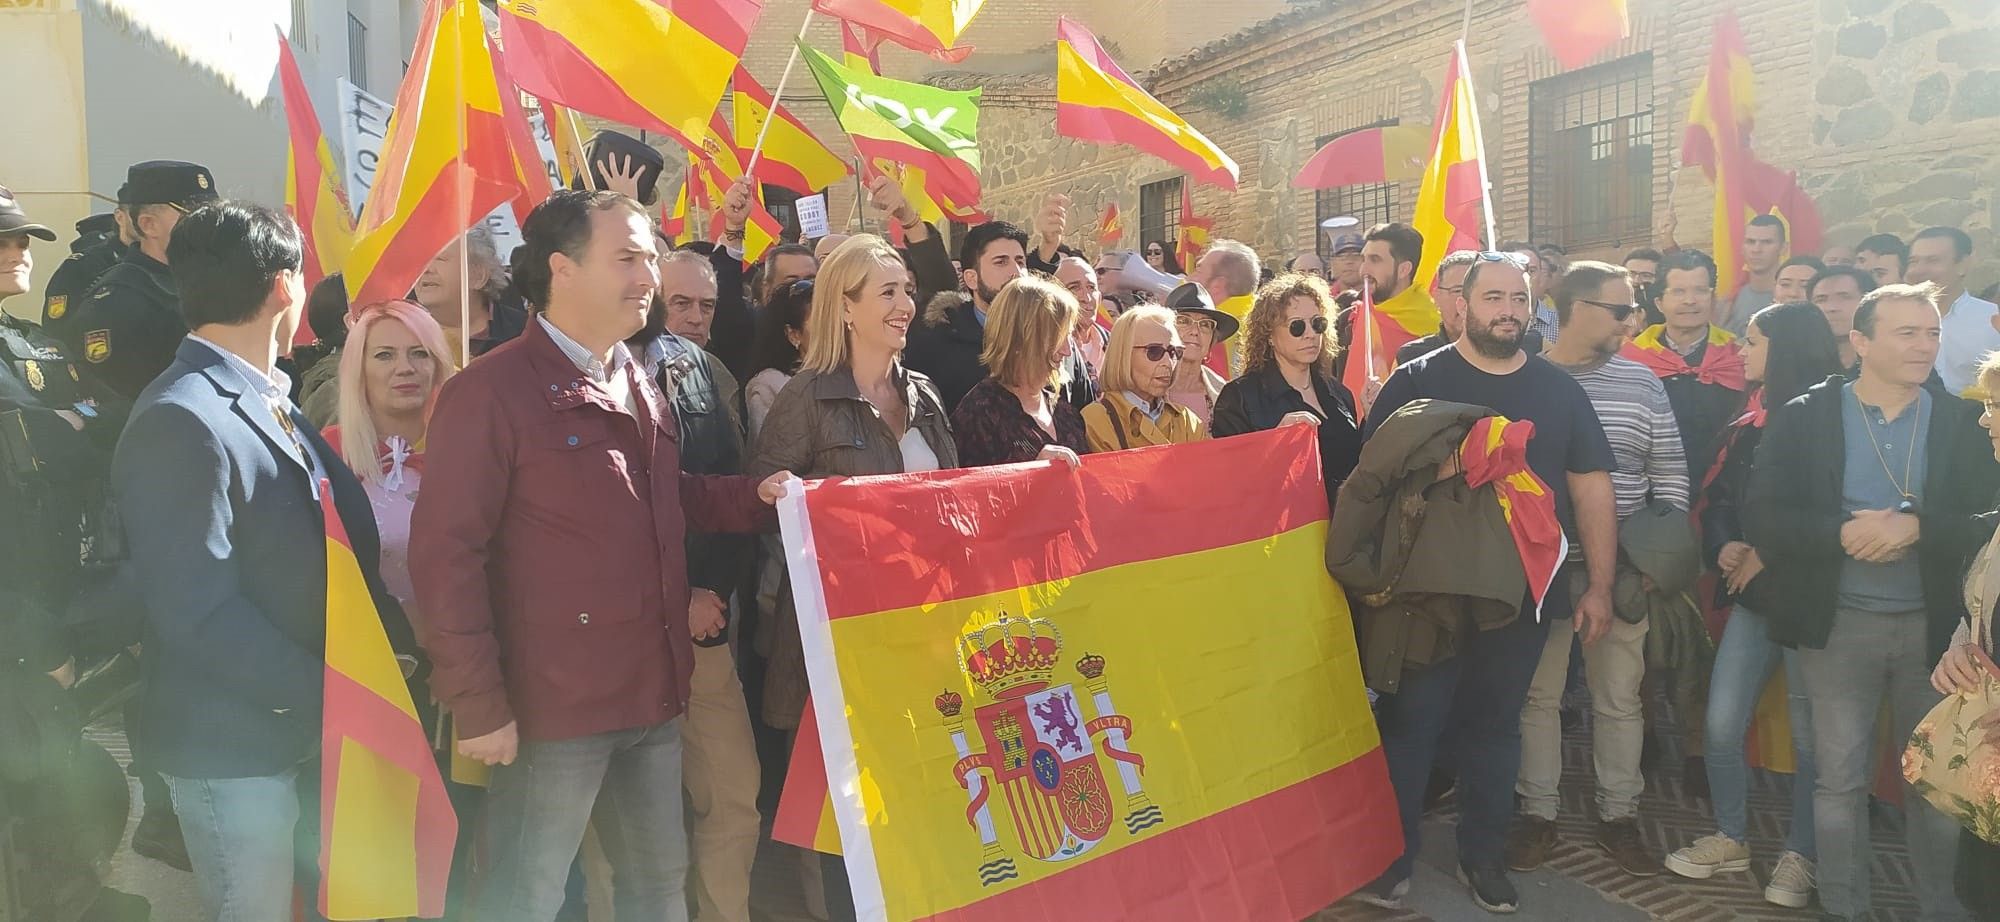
<point>1909,460</point>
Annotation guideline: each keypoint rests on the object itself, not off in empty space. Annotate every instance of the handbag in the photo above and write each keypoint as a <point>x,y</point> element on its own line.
<point>1949,761</point>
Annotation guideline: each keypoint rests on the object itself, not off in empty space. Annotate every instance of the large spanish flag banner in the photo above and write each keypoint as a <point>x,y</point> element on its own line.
<point>313,191</point>
<point>1041,694</point>
<point>650,64</point>
<point>1097,101</point>
<point>792,157</point>
<point>445,164</point>
<point>1453,194</point>
<point>386,825</point>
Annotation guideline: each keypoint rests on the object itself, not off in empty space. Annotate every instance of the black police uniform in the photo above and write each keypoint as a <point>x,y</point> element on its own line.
<point>68,286</point>
<point>56,474</point>
<point>130,325</point>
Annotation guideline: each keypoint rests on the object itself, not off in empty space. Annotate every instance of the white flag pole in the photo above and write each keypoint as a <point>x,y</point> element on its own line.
<point>778,95</point>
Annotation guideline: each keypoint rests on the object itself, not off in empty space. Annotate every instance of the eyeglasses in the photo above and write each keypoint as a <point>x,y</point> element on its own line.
<point>1618,311</point>
<point>1156,351</point>
<point>1298,327</point>
<point>1514,259</point>
<point>1194,322</point>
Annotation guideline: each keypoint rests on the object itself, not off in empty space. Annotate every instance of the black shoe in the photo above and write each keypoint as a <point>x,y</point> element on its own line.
<point>158,836</point>
<point>1694,777</point>
<point>1382,893</point>
<point>1490,889</point>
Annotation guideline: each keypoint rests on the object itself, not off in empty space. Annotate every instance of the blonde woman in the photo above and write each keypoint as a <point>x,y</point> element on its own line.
<point>1017,413</point>
<point>1139,366</point>
<point>395,360</point>
<point>1288,375</point>
<point>852,409</point>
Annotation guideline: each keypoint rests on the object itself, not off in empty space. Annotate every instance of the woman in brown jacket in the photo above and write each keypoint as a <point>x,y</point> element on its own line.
<point>853,409</point>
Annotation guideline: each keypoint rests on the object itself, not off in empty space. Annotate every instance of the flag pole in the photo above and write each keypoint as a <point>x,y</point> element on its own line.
<point>1478,138</point>
<point>464,208</point>
<point>778,95</point>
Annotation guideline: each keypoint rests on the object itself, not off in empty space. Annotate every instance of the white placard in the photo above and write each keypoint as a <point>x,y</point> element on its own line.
<point>364,122</point>
<point>811,211</point>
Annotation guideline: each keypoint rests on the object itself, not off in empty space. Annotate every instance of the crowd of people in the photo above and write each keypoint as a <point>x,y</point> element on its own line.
<point>557,467</point>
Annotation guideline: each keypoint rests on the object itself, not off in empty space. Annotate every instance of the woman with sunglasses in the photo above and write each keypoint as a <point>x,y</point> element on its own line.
<point>774,355</point>
<point>1786,349</point>
<point>1288,375</point>
<point>1017,413</point>
<point>1161,257</point>
<point>1139,367</point>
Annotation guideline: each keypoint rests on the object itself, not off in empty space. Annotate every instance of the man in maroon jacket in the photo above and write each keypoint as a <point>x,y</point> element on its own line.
<point>547,552</point>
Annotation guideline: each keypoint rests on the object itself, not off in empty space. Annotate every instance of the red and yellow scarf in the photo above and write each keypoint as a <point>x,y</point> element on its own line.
<point>1721,362</point>
<point>1496,452</point>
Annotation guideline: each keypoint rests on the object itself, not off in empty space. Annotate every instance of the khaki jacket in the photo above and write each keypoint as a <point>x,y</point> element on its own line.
<point>1114,423</point>
<point>820,426</point>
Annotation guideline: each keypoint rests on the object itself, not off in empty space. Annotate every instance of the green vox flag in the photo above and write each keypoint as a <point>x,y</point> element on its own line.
<point>922,126</point>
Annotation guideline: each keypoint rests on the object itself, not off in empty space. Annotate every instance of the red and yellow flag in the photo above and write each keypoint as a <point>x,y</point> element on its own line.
<point>1194,233</point>
<point>1025,712</point>
<point>673,218</point>
<point>1392,153</point>
<point>719,164</point>
<point>929,26</point>
<point>446,163</point>
<point>1718,141</point>
<point>792,157</point>
<point>1110,228</point>
<point>566,136</point>
<point>386,825</point>
<point>1097,101</point>
<point>652,64</point>
<point>528,168</point>
<point>1496,452</point>
<point>1452,197</point>
<point>313,190</point>
<point>1579,30</point>
<point>1380,330</point>
<point>1721,362</point>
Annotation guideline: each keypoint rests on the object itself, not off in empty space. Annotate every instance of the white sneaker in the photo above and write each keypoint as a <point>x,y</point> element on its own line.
<point>1709,856</point>
<point>1791,883</point>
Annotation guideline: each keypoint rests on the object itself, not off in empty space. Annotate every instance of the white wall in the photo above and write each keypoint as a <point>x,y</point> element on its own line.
<point>41,140</point>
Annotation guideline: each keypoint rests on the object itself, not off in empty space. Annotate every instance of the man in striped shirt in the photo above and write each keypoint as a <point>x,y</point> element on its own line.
<point>1594,301</point>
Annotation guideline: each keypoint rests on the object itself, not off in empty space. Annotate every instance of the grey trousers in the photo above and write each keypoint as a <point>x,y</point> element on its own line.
<point>627,784</point>
<point>1870,658</point>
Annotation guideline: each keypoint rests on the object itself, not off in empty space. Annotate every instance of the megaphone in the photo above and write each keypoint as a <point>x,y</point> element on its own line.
<point>1137,276</point>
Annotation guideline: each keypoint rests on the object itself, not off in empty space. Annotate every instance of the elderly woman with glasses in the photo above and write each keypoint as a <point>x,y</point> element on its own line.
<point>1139,367</point>
<point>1288,375</point>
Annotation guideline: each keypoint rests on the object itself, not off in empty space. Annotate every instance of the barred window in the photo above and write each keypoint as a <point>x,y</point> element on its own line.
<point>357,52</point>
<point>1160,213</point>
<point>1590,155</point>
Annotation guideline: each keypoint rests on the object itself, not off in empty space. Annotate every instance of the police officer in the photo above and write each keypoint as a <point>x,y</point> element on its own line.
<point>101,242</point>
<point>131,322</point>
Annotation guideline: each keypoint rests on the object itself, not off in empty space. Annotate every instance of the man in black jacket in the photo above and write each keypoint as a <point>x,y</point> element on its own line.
<point>1865,503</point>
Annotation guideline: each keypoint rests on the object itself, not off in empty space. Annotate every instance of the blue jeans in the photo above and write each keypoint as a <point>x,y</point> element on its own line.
<point>1743,663</point>
<point>1474,699</point>
<point>628,784</point>
<point>249,838</point>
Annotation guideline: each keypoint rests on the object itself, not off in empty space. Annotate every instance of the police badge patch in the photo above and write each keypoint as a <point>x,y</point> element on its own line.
<point>97,345</point>
<point>58,306</point>
<point>33,370</point>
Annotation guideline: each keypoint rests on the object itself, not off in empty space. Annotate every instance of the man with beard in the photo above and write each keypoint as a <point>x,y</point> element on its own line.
<point>1644,264</point>
<point>1596,303</point>
<point>1698,361</point>
<point>1477,694</point>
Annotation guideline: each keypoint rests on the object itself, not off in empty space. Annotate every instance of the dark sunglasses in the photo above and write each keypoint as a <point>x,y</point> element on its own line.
<point>1298,327</point>
<point>1618,311</point>
<point>800,286</point>
<point>1156,352</point>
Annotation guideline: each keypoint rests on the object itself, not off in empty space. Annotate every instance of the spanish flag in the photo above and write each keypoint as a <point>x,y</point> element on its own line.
<point>1721,362</point>
<point>929,26</point>
<point>1097,101</point>
<point>446,163</point>
<point>1110,229</point>
<point>718,164</point>
<point>1453,193</point>
<point>1579,30</point>
<point>528,168</point>
<point>792,157</point>
<point>1718,141</point>
<point>1382,328</point>
<point>1393,153</point>
<point>1495,451</point>
<point>386,826</point>
<point>313,190</point>
<point>1194,234</point>
<point>566,135</point>
<point>1039,695</point>
<point>652,64</point>
<point>673,219</point>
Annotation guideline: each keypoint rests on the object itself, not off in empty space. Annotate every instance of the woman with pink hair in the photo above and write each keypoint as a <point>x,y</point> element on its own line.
<point>395,361</point>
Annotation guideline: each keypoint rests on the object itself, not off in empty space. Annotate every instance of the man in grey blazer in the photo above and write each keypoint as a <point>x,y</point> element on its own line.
<point>217,477</point>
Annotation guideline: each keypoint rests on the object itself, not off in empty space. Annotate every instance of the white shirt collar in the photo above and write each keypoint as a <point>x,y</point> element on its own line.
<point>586,362</point>
<point>274,386</point>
